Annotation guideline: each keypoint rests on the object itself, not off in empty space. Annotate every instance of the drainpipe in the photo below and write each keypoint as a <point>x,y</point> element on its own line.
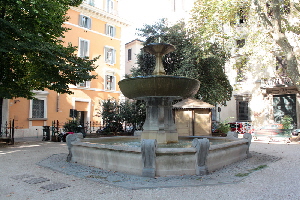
<point>57,103</point>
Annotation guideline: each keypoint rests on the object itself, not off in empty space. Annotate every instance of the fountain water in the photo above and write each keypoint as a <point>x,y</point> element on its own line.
<point>149,159</point>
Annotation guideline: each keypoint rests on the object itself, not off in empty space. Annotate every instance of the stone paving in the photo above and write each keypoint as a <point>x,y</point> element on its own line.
<point>271,174</point>
<point>230,174</point>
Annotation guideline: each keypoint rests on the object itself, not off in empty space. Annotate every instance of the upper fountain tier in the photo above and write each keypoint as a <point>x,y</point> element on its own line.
<point>159,84</point>
<point>159,49</point>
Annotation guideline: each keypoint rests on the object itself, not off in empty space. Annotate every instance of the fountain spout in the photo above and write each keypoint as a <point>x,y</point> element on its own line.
<point>159,50</point>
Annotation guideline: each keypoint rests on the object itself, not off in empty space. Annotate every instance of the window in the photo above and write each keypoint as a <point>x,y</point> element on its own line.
<point>243,111</point>
<point>110,6</point>
<point>110,82</point>
<point>110,30</point>
<point>38,106</point>
<point>85,84</point>
<point>83,48</point>
<point>38,109</point>
<point>85,21</point>
<point>242,107</point>
<point>129,54</point>
<point>90,2</point>
<point>110,55</point>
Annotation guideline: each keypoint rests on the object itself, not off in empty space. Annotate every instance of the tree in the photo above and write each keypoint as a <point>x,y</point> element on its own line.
<point>189,59</point>
<point>115,113</point>
<point>267,24</point>
<point>133,113</point>
<point>32,53</point>
<point>111,115</point>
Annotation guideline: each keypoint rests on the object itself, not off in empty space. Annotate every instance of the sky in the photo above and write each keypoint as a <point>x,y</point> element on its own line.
<point>140,12</point>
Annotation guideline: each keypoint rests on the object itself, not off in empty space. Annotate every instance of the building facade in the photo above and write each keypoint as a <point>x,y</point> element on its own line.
<point>96,29</point>
<point>132,49</point>
<point>262,92</point>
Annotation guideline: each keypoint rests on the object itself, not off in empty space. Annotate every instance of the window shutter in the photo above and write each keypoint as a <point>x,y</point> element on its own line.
<point>107,55</point>
<point>113,56</point>
<point>88,84</point>
<point>80,20</point>
<point>86,50</point>
<point>81,51</point>
<point>106,29</point>
<point>114,32</point>
<point>89,23</point>
<point>113,83</point>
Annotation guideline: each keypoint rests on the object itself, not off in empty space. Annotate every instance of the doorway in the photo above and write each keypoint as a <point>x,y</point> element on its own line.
<point>284,105</point>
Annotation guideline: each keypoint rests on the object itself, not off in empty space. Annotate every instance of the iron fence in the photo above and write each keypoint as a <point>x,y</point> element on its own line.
<point>88,127</point>
<point>7,132</point>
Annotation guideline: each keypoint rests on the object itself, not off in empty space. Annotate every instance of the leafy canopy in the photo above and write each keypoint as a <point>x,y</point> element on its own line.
<point>271,25</point>
<point>32,54</point>
<point>189,59</point>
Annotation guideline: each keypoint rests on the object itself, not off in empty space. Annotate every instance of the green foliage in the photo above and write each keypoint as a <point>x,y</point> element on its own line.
<point>189,60</point>
<point>116,113</point>
<point>133,113</point>
<point>71,126</point>
<point>287,122</point>
<point>268,26</point>
<point>223,127</point>
<point>33,56</point>
<point>111,115</point>
<point>209,16</point>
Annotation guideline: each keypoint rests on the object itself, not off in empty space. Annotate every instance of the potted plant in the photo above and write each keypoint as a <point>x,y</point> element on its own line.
<point>223,128</point>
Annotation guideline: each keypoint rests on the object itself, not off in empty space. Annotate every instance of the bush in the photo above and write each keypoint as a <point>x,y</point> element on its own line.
<point>71,126</point>
<point>223,127</point>
<point>287,122</point>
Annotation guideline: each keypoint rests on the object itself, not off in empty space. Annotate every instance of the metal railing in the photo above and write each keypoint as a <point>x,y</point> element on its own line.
<point>7,132</point>
<point>275,81</point>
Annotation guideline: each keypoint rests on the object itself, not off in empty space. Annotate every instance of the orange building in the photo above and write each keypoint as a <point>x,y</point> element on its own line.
<point>96,29</point>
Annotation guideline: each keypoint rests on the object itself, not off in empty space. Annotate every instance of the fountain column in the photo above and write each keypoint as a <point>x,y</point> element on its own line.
<point>159,122</point>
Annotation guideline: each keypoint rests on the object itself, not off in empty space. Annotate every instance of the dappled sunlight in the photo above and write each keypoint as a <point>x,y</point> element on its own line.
<point>8,152</point>
<point>270,140</point>
<point>23,147</point>
<point>28,146</point>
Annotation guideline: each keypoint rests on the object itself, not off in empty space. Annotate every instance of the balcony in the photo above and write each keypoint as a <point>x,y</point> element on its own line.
<point>282,81</point>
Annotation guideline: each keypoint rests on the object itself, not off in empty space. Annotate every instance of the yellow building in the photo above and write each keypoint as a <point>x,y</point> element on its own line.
<point>96,29</point>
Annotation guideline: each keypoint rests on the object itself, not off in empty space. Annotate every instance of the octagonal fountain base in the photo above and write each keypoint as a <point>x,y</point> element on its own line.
<point>149,159</point>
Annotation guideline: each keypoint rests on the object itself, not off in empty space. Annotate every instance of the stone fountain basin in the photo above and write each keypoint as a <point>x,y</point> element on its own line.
<point>159,86</point>
<point>169,161</point>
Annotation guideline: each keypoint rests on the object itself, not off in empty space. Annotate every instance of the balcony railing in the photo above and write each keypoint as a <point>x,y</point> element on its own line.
<point>276,81</point>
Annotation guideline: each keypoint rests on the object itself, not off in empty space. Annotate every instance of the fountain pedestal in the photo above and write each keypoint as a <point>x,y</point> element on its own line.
<point>159,122</point>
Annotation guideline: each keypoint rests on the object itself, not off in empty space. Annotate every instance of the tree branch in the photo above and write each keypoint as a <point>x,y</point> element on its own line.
<point>262,14</point>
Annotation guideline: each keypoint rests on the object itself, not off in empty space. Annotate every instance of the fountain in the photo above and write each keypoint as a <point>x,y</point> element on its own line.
<point>159,91</point>
<point>149,158</point>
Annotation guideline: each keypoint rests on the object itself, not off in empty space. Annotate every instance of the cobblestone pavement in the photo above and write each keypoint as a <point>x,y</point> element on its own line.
<point>37,170</point>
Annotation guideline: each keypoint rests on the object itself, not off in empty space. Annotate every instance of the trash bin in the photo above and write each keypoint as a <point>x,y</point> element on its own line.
<point>46,133</point>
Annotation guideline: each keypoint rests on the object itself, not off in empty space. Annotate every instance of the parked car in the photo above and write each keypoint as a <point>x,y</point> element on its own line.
<point>295,132</point>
